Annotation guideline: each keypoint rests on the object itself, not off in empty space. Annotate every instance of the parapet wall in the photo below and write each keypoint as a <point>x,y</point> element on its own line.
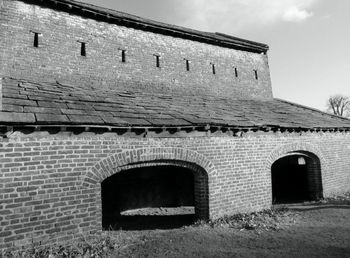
<point>58,56</point>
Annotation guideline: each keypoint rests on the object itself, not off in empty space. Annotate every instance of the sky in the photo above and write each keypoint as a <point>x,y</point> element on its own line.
<point>309,40</point>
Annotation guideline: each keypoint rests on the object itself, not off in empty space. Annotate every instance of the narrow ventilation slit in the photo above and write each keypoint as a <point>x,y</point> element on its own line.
<point>187,64</point>
<point>36,39</point>
<point>213,68</point>
<point>157,61</point>
<point>82,48</point>
<point>256,74</point>
<point>123,56</point>
<point>236,71</point>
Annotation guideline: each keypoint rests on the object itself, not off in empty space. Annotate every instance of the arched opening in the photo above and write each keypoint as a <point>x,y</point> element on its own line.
<point>296,178</point>
<point>154,196</point>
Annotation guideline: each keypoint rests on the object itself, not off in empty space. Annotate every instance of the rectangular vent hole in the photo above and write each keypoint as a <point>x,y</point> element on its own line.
<point>123,56</point>
<point>82,48</point>
<point>157,61</point>
<point>36,39</point>
<point>187,64</point>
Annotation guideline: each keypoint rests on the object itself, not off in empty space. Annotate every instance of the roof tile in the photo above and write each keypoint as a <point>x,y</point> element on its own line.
<point>18,101</point>
<point>51,118</point>
<point>51,104</point>
<point>115,108</point>
<point>13,117</point>
<point>46,110</point>
<point>78,119</point>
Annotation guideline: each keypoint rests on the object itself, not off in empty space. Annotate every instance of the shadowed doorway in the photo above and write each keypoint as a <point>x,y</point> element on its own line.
<point>296,178</point>
<point>151,197</point>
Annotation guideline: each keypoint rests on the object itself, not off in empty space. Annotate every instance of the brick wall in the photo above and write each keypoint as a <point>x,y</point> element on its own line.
<point>50,184</point>
<point>58,56</point>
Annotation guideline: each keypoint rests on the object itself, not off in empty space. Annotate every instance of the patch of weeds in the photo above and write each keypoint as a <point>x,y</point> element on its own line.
<point>104,245</point>
<point>270,219</point>
<point>343,199</point>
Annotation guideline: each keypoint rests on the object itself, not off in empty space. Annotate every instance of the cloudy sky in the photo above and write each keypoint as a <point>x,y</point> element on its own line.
<point>309,39</point>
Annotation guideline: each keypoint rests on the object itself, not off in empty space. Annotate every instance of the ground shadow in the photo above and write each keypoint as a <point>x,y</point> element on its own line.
<point>150,222</point>
<point>296,178</point>
<point>313,206</point>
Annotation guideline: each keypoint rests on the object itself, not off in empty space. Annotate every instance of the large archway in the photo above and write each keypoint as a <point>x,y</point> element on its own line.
<point>296,177</point>
<point>163,195</point>
<point>201,167</point>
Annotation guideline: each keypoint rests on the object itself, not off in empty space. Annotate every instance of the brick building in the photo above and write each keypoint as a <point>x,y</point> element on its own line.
<point>102,112</point>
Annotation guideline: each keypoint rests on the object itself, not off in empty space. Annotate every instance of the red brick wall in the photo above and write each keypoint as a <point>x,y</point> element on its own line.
<point>50,184</point>
<point>58,56</point>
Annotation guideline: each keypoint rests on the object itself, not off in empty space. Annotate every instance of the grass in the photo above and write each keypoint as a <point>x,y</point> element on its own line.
<point>102,245</point>
<point>269,219</point>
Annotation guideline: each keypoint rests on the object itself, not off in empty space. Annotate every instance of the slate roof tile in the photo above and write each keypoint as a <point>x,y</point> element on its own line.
<point>73,111</point>
<point>12,108</point>
<point>51,118</point>
<point>18,101</point>
<point>16,95</point>
<point>44,110</point>
<point>26,102</point>
<point>110,120</point>
<point>79,106</point>
<point>85,119</point>
<point>13,117</point>
<point>51,104</point>
<point>172,122</point>
<point>136,121</point>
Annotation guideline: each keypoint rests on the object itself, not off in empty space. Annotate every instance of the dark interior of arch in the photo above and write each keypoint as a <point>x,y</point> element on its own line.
<point>149,197</point>
<point>296,178</point>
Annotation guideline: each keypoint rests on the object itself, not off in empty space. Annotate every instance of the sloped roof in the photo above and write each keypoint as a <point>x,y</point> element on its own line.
<point>25,102</point>
<point>128,20</point>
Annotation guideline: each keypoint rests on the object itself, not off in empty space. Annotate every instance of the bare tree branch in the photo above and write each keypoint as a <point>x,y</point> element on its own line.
<point>339,105</point>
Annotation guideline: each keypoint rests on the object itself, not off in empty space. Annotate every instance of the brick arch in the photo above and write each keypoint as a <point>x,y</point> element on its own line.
<point>288,149</point>
<point>139,157</point>
<point>145,157</point>
<point>315,166</point>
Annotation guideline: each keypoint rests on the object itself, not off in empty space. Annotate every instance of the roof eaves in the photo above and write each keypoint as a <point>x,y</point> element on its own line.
<point>313,109</point>
<point>199,126</point>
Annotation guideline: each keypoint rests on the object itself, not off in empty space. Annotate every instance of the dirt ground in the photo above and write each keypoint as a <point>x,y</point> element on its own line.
<point>308,230</point>
<point>318,229</point>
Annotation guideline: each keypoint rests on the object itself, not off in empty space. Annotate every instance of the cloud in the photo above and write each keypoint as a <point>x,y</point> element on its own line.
<point>234,15</point>
<point>295,15</point>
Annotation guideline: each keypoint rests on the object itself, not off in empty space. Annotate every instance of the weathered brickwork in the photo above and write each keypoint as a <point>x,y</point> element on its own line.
<point>58,56</point>
<point>50,184</point>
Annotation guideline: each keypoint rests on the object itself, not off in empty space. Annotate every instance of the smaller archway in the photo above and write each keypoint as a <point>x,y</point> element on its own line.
<point>296,177</point>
